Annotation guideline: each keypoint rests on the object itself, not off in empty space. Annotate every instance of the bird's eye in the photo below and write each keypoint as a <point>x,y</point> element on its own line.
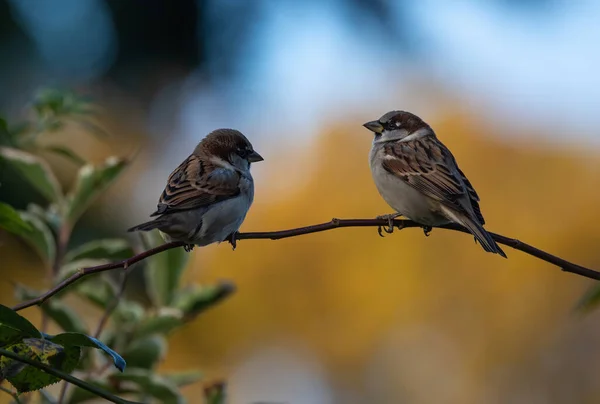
<point>398,124</point>
<point>243,153</point>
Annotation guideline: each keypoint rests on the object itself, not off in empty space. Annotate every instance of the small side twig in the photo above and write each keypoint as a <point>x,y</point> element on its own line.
<point>113,304</point>
<point>101,324</point>
<point>65,376</point>
<point>333,224</point>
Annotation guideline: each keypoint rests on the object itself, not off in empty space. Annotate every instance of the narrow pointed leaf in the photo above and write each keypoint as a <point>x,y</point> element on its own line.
<point>215,393</point>
<point>35,171</point>
<point>71,267</point>
<point>6,138</point>
<point>91,181</point>
<point>146,353</point>
<point>163,322</point>
<point>153,385</point>
<point>80,395</point>
<point>59,312</point>
<point>66,153</point>
<point>39,236</point>
<point>196,299</point>
<point>163,271</point>
<point>185,378</point>
<point>590,299</point>
<point>50,215</point>
<point>110,249</point>
<point>10,319</point>
<point>82,340</point>
<point>11,221</point>
<point>101,292</point>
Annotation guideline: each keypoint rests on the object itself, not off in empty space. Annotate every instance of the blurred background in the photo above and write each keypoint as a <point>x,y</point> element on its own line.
<point>511,87</point>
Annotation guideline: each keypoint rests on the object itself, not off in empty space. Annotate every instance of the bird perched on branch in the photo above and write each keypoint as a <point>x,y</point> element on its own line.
<point>207,197</point>
<point>419,178</point>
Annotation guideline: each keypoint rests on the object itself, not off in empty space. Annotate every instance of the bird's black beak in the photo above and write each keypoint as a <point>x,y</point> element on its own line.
<point>374,126</point>
<point>254,157</point>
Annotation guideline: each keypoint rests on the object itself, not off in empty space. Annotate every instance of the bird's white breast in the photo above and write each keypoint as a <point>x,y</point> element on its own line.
<point>402,197</point>
<point>226,217</point>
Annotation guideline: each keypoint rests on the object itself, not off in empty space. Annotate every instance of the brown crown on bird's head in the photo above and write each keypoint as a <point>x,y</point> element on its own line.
<point>225,142</point>
<point>394,120</point>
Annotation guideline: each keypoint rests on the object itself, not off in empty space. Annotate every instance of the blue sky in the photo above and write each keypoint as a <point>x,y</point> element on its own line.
<point>306,65</point>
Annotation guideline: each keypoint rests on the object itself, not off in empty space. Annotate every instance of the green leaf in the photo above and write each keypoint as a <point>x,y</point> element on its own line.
<point>166,320</point>
<point>185,378</point>
<point>590,299</point>
<point>163,271</point>
<point>91,181</point>
<point>40,237</point>
<point>11,221</point>
<point>71,267</point>
<point>66,153</point>
<point>27,378</point>
<point>35,171</point>
<point>196,299</point>
<point>6,137</point>
<point>111,249</point>
<point>68,339</point>
<point>215,393</point>
<point>9,319</point>
<point>145,353</point>
<point>101,292</point>
<point>63,315</point>
<point>50,216</point>
<point>128,313</point>
<point>80,395</point>
<point>151,384</point>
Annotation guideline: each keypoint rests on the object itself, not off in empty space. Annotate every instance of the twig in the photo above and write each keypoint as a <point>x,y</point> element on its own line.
<point>113,304</point>
<point>94,270</point>
<point>65,376</point>
<point>333,224</point>
<point>101,324</point>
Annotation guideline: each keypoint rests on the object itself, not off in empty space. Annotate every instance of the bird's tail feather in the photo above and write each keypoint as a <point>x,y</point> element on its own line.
<point>481,235</point>
<point>153,224</point>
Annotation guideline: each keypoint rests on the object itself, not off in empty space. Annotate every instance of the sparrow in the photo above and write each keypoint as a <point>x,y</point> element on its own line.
<point>208,196</point>
<point>419,177</point>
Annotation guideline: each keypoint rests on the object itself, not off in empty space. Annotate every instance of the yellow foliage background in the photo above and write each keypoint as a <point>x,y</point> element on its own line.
<point>348,317</point>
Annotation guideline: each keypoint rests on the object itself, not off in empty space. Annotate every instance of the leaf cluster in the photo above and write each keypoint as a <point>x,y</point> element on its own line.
<point>138,330</point>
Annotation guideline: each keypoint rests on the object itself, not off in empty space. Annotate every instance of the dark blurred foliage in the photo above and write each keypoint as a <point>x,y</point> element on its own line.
<point>155,36</point>
<point>158,38</point>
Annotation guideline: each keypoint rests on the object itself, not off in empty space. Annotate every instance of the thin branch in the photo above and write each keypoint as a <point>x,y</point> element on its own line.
<point>112,305</point>
<point>101,324</point>
<point>65,376</point>
<point>333,224</point>
<point>94,270</point>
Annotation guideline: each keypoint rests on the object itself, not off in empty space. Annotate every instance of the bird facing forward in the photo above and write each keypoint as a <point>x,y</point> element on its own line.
<point>207,197</point>
<point>419,178</point>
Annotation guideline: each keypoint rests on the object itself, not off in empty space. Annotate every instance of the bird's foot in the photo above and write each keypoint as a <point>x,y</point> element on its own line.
<point>188,247</point>
<point>232,240</point>
<point>390,226</point>
<point>427,230</point>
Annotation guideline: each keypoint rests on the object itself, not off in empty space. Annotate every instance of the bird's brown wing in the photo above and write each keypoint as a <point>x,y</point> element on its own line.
<point>197,183</point>
<point>428,166</point>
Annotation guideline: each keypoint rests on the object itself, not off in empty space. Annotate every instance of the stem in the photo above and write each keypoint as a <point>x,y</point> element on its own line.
<point>333,224</point>
<point>67,377</point>
<point>113,305</point>
<point>64,235</point>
